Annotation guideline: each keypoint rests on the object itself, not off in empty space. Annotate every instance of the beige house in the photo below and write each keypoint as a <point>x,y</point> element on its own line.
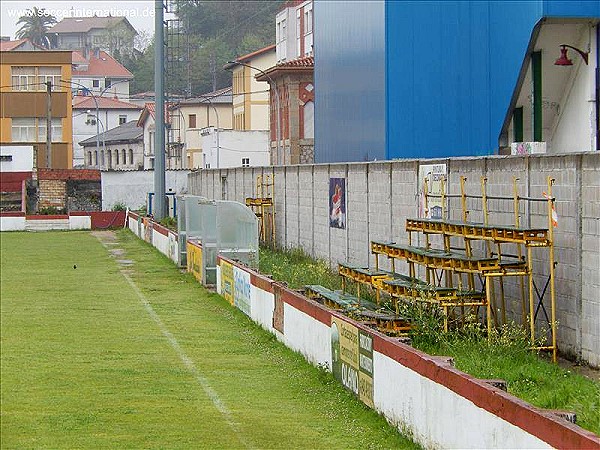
<point>251,97</point>
<point>192,118</point>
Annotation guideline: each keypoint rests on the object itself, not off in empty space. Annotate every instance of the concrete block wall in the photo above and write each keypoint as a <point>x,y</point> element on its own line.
<point>380,196</point>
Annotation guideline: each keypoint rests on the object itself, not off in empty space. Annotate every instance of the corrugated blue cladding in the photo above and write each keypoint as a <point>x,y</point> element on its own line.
<point>412,79</point>
<point>462,60</point>
<point>349,81</point>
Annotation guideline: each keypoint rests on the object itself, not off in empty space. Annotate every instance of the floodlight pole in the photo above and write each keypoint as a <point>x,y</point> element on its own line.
<point>159,135</point>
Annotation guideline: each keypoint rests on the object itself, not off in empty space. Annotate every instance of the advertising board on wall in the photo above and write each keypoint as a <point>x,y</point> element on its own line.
<point>352,359</point>
<point>227,281</point>
<point>194,260</point>
<point>431,208</point>
<point>241,290</point>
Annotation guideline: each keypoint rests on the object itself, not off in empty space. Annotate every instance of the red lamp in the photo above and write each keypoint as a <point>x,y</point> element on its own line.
<point>564,59</point>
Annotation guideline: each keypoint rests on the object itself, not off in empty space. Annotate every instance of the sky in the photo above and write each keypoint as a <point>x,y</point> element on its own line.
<point>140,13</point>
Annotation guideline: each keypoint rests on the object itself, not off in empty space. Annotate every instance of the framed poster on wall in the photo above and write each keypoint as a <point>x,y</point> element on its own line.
<point>337,203</point>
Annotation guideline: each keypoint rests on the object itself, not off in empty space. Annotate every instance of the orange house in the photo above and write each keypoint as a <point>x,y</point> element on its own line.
<point>24,104</point>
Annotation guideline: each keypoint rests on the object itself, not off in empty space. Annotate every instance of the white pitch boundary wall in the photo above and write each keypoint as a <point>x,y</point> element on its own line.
<point>424,396</point>
<point>165,240</point>
<point>40,223</point>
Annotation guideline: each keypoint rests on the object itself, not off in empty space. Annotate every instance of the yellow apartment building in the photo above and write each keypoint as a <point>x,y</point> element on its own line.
<point>24,104</point>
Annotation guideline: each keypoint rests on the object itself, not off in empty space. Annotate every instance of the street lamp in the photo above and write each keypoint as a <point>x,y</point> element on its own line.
<point>97,109</point>
<point>231,65</point>
<point>95,98</point>
<point>217,133</point>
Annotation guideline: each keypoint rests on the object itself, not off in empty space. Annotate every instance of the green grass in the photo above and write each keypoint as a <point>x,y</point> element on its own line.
<point>85,366</point>
<point>507,356</point>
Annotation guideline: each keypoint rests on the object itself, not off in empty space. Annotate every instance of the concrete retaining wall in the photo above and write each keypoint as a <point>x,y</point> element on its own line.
<point>380,196</point>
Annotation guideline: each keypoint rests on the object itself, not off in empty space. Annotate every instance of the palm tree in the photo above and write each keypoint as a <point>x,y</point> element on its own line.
<point>35,23</point>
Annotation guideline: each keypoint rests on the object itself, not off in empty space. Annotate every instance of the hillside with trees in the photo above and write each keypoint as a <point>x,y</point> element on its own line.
<point>210,34</point>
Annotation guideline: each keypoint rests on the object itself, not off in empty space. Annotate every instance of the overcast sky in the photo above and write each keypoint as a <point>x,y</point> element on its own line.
<point>140,13</point>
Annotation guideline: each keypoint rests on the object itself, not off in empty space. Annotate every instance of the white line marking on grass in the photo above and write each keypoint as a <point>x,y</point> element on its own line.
<point>187,362</point>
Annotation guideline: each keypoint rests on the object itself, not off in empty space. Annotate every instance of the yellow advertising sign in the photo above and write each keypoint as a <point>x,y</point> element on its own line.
<point>194,260</point>
<point>227,284</point>
<point>352,359</point>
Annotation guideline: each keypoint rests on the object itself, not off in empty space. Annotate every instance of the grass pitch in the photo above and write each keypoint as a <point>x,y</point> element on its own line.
<point>86,364</point>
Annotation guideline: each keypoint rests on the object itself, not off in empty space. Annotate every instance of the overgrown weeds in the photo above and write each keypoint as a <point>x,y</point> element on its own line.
<point>505,354</point>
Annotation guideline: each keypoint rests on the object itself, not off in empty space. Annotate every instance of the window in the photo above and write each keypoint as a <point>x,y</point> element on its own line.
<point>23,79</point>
<point>131,156</point>
<point>109,158</point>
<point>116,157</point>
<point>56,130</point>
<point>245,162</point>
<point>96,83</point>
<point>122,119</point>
<point>89,154</point>
<point>29,78</point>
<point>102,157</point>
<point>309,120</point>
<point>107,83</point>
<point>152,163</point>
<point>308,19</point>
<point>192,121</point>
<point>151,143</point>
<point>6,158</point>
<point>280,39</point>
<point>49,74</point>
<point>96,158</point>
<point>31,129</point>
<point>23,130</point>
<point>123,157</point>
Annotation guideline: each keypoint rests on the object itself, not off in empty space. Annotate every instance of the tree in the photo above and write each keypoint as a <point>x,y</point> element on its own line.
<point>34,26</point>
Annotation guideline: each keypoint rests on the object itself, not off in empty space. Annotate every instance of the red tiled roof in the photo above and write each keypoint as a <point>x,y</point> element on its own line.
<point>303,65</point>
<point>307,61</point>
<point>256,53</point>
<point>6,46</point>
<point>103,66</point>
<point>87,102</point>
<point>150,109</point>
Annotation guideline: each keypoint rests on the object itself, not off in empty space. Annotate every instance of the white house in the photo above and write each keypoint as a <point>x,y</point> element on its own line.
<point>97,73</point>
<point>189,117</point>
<point>234,148</point>
<point>294,31</point>
<point>95,115</point>
<point>122,148</point>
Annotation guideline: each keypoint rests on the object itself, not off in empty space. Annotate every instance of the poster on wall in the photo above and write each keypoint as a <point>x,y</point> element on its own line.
<point>431,207</point>
<point>241,290</point>
<point>194,261</point>
<point>227,285</point>
<point>352,359</point>
<point>337,203</point>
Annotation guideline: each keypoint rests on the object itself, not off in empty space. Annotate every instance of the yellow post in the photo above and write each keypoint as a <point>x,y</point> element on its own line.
<point>552,292</point>
<point>489,308</point>
<point>531,305</point>
<point>484,205</point>
<point>519,249</point>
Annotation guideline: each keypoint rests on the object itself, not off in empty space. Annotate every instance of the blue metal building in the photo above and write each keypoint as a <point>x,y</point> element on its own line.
<point>413,79</point>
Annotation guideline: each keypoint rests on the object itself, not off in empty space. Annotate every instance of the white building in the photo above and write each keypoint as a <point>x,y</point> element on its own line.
<point>98,73</point>
<point>294,31</point>
<point>173,153</point>
<point>110,112</point>
<point>234,148</point>
<point>121,148</point>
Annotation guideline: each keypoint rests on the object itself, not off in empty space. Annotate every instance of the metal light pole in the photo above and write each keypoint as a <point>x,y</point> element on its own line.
<point>159,136</point>
<point>231,64</point>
